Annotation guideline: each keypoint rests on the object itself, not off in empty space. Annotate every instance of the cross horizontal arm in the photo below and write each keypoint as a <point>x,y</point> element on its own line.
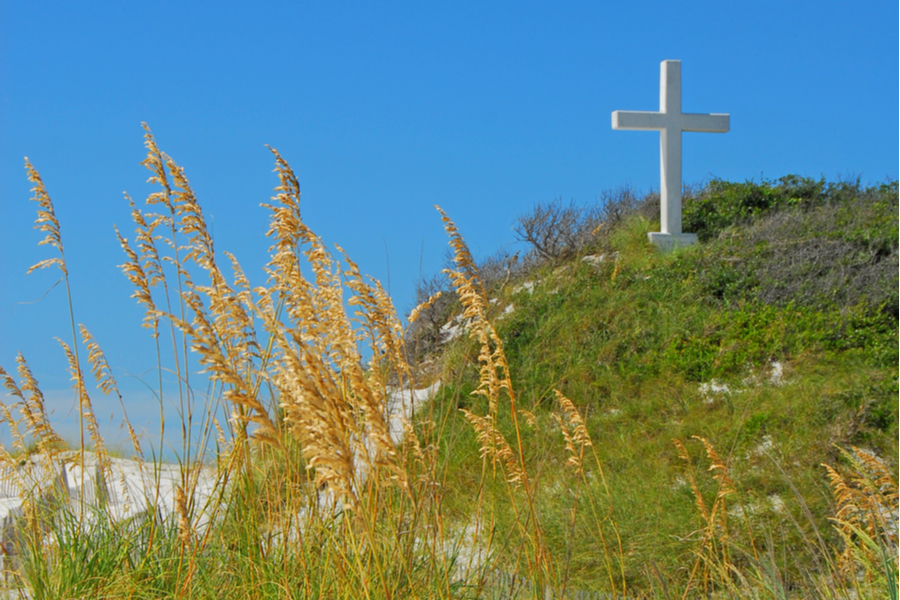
<point>632,119</point>
<point>714,123</point>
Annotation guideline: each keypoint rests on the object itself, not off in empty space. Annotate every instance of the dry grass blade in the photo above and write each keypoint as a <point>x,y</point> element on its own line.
<point>318,417</point>
<point>192,223</point>
<point>846,517</point>
<point>718,525</point>
<point>867,502</point>
<point>414,314</point>
<point>530,417</point>
<point>33,411</point>
<point>494,377</point>
<point>698,497</point>
<point>46,220</point>
<point>577,441</point>
<point>727,487</point>
<point>18,439</point>
<point>494,447</point>
<point>495,380</point>
<point>217,362</point>
<point>287,225</point>
<point>155,163</point>
<point>494,371</point>
<point>97,360</point>
<point>222,333</point>
<point>86,408</point>
<point>576,438</point>
<point>377,315</point>
<point>10,385</point>
<point>717,528</point>
<point>146,241</point>
<point>709,520</point>
<point>715,547</point>
<point>719,469</point>
<point>135,273</point>
<point>286,228</point>
<point>232,322</point>
<point>106,382</point>
<point>9,465</point>
<point>184,521</point>
<point>879,486</point>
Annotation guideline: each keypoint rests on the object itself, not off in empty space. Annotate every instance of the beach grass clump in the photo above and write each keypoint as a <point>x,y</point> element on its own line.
<point>322,485</point>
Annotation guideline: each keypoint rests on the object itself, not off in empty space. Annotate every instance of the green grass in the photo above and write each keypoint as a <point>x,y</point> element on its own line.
<point>631,340</point>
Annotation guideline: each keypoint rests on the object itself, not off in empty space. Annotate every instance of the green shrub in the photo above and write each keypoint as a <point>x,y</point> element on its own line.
<point>722,204</point>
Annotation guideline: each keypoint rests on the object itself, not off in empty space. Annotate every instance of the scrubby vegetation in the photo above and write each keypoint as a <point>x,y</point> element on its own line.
<point>774,340</point>
<point>720,421</point>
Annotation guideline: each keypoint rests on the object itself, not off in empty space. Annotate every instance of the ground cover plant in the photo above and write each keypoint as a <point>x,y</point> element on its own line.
<point>611,422</point>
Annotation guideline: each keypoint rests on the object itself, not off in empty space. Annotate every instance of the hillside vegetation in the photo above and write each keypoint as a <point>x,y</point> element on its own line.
<point>719,421</point>
<point>772,342</point>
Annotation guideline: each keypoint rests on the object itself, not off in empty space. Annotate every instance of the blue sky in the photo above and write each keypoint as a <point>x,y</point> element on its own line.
<point>385,109</point>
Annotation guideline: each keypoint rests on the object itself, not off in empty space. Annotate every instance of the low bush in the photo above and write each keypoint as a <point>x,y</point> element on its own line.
<point>557,232</point>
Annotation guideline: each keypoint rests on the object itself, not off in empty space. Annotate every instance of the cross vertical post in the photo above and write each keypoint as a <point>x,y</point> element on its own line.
<point>670,147</point>
<point>670,122</point>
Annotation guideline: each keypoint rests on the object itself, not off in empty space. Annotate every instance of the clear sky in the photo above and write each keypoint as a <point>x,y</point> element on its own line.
<point>385,109</point>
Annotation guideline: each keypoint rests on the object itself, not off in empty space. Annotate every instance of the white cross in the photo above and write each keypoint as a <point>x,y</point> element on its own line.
<point>670,122</point>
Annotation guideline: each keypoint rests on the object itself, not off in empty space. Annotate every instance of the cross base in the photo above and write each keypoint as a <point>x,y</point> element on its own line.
<point>671,241</point>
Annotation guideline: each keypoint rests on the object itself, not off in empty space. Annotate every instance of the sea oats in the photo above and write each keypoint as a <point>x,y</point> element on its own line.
<point>46,221</point>
<point>530,417</point>
<point>86,408</point>
<point>867,503</point>
<point>574,432</point>
<point>414,314</point>
<point>698,497</point>
<point>135,273</point>
<point>18,438</point>
<point>146,241</point>
<point>220,367</point>
<point>719,468</point>
<point>32,409</point>
<point>494,447</point>
<point>106,382</point>
<point>155,163</point>
<point>184,520</point>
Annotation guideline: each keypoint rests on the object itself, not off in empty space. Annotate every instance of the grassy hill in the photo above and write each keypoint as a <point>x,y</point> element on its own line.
<point>719,421</point>
<point>774,341</point>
